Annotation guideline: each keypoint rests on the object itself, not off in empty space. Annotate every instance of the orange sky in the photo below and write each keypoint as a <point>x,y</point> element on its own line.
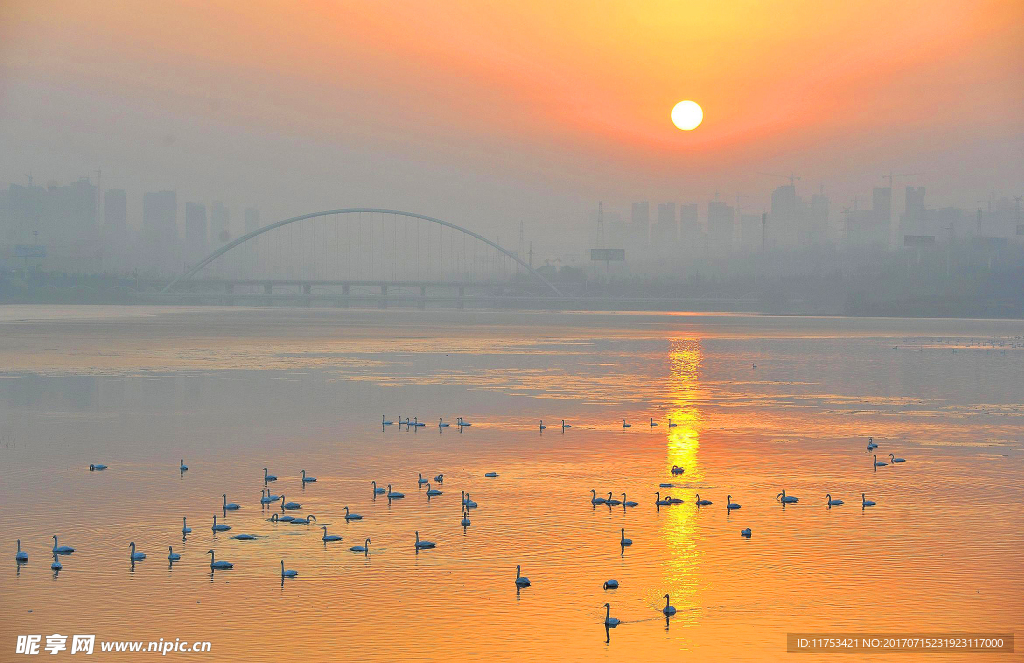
<point>567,100</point>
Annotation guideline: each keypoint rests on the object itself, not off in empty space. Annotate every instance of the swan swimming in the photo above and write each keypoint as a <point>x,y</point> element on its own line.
<point>666,485</point>
<point>463,422</point>
<point>61,550</point>
<point>352,516</point>
<point>265,497</point>
<point>281,519</point>
<point>521,581</point>
<point>365,548</point>
<point>439,478</point>
<point>668,609</point>
<point>306,479</point>
<point>185,529</point>
<point>663,502</point>
<point>673,500</point>
<point>287,573</point>
<point>879,463</point>
<point>627,503</point>
<point>135,556</point>
<point>729,504</point>
<point>565,425</point>
<point>219,528</point>
<point>394,495</point>
<point>745,532</point>
<point>468,503</point>
<point>612,502</point>
<point>894,459</point>
<point>701,502</point>
<point>218,564</point>
<point>182,466</point>
<point>871,444</point>
<point>441,423</point>
<point>676,470</point>
<point>653,424</point>
<point>376,490</point>
<point>291,506</point>
<point>21,555</point>
<point>268,477</point>
<point>244,537</point>
<point>490,475</point>
<point>96,466</point>
<point>623,541</point>
<point>465,517</point>
<point>609,621</point>
<point>421,480</point>
<point>865,502</point>
<point>594,499</point>
<point>423,544</point>
<point>786,499</point>
<point>831,502</point>
<point>611,584</point>
<point>625,425</point>
<point>384,421</point>
<point>328,537</point>
<point>432,492</point>
<point>229,507</point>
<point>304,521</point>
<point>671,425</point>
<point>171,555</point>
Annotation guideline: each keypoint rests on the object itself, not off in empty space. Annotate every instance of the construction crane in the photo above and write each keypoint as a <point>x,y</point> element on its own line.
<point>892,175</point>
<point>791,177</point>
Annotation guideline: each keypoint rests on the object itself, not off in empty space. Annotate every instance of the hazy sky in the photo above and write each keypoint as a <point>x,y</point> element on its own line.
<point>487,113</point>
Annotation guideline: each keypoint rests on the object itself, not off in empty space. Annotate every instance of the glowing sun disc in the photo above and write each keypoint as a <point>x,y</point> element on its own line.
<point>687,115</point>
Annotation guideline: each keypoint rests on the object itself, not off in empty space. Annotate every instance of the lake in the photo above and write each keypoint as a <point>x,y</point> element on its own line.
<point>756,404</point>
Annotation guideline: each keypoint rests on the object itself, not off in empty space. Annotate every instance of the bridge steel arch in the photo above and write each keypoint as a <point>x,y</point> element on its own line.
<point>352,210</point>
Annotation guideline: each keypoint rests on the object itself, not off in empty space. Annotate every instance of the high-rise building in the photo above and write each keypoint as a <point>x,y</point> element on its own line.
<point>785,228</point>
<point>665,231</point>
<point>689,226</point>
<point>818,219</point>
<point>641,221</point>
<point>721,219</point>
<point>160,215</point>
<point>220,223</point>
<point>115,211</point>
<point>196,243</point>
<point>252,219</point>
<point>750,233</point>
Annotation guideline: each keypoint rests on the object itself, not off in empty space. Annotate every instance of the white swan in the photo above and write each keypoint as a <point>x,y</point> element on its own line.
<point>219,528</point>
<point>394,495</point>
<point>673,500</point>
<point>268,477</point>
<point>466,502</point>
<point>441,423</point>
<point>304,521</point>
<point>625,425</point>
<point>653,424</point>
<point>831,502</point>
<point>61,550</point>
<point>490,475</point>
<point>287,573</point>
<point>594,499</point>
<point>521,581</point>
<point>627,503</point>
<point>265,497</point>
<point>416,422</point>
<point>135,556</point>
<point>671,425</point>
<point>871,444</point>
<point>384,421</point>
<point>676,470</point>
<point>352,516</point>
<point>291,506</point>
<point>668,609</point>
<point>700,502</point>
<point>423,544</point>
<point>565,425</point>
<point>185,529</point>
<point>894,459</point>
<point>306,479</point>
<point>218,564</point>
<point>421,481</point>
<point>280,519</point>
<point>229,507</point>
<point>328,537</point>
<point>542,426</point>
<point>365,548</point>
<point>729,504</point>
<point>609,621</point>
<point>171,555</point>
<point>244,537</point>
<point>745,532</point>
<point>463,422</point>
<point>612,502</point>
<point>879,463</point>
<point>439,478</point>
<point>432,492</point>
<point>623,541</point>
<point>96,466</point>
<point>465,518</point>
<point>182,466</point>
<point>376,490</point>
<point>786,499</point>
<point>611,584</point>
<point>663,502</point>
<point>865,502</point>
<point>21,555</point>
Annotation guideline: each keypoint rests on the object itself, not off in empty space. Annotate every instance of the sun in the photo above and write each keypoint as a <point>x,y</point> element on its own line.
<point>687,115</point>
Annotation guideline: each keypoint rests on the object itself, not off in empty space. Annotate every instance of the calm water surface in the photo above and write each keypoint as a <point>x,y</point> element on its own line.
<point>232,391</point>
